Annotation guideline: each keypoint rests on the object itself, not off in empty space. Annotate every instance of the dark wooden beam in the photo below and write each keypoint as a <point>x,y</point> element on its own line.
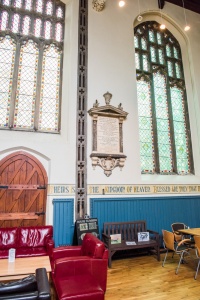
<point>161,4</point>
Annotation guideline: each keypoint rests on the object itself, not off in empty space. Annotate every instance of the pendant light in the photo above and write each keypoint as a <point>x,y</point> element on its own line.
<point>187,27</point>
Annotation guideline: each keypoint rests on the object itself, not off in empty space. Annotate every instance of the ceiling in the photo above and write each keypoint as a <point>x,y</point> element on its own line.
<point>193,5</point>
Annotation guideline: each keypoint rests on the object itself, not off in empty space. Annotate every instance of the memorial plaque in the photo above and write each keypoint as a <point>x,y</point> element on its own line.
<point>107,135</point>
<point>107,144</point>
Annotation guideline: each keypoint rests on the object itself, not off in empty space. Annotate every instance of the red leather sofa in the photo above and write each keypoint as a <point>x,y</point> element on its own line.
<point>80,272</point>
<point>28,241</point>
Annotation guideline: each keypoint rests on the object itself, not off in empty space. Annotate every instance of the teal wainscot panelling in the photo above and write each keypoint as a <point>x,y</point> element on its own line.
<point>159,212</point>
<point>63,221</point>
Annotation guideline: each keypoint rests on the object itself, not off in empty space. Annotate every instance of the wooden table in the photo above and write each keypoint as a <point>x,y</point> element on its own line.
<point>190,231</point>
<point>23,267</point>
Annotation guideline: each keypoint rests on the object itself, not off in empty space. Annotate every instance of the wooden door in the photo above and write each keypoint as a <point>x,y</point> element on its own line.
<point>23,183</point>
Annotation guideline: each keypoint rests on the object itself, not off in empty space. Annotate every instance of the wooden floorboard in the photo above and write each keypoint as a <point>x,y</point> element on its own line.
<point>144,278</point>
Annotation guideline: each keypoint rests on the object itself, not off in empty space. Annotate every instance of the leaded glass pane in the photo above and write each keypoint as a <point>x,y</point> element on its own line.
<point>162,119</point>
<point>145,127</point>
<point>145,62</point>
<point>144,44</point>
<point>49,8</point>
<point>159,38</point>
<point>170,68</point>
<point>58,32</point>
<point>18,3</point>
<point>47,28</point>
<point>7,58</point>
<point>161,56</point>
<point>178,70</point>
<point>28,4</point>
<point>49,98</point>
<point>181,143</point>
<point>59,12</point>
<point>176,54</point>
<point>26,25</point>
<point>151,36</point>
<point>39,6</point>
<point>37,29</point>
<point>136,42</point>
<point>15,23</point>
<point>26,86</point>
<point>6,2</point>
<point>153,54</point>
<point>168,51</point>
<point>4,20</point>
<point>137,60</point>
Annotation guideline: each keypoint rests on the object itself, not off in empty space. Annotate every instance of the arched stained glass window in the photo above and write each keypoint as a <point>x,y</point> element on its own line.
<point>165,142</point>
<point>31,53</point>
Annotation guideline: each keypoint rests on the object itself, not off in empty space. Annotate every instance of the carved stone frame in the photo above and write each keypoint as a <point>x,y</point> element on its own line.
<point>107,161</point>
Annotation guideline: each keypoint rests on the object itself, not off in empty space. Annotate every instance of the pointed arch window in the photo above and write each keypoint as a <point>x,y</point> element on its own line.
<point>31,54</point>
<point>164,131</point>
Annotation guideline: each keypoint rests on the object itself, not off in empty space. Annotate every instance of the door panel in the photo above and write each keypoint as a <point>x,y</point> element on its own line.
<point>23,193</point>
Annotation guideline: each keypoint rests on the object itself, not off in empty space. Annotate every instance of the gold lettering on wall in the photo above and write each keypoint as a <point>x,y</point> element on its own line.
<point>68,190</point>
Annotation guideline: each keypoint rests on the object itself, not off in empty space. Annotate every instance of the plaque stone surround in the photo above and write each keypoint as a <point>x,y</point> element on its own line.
<point>107,145</point>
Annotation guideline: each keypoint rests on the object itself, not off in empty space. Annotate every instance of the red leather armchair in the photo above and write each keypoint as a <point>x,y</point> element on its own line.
<point>80,272</point>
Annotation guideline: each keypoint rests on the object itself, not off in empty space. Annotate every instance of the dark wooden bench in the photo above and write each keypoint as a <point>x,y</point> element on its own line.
<point>129,232</point>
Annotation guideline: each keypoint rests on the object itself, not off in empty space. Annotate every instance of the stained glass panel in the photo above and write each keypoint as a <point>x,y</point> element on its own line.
<point>136,42</point>
<point>15,23</point>
<point>145,62</point>
<point>145,127</point>
<point>39,6</point>
<point>28,4</point>
<point>37,29</point>
<point>6,2</point>
<point>26,86</point>
<point>144,44</point>
<point>47,28</point>
<point>151,36</point>
<point>49,98</point>
<point>26,25</point>
<point>4,20</point>
<point>176,54</point>
<point>178,70</point>
<point>7,58</point>
<point>59,12</point>
<point>49,8</point>
<point>137,61</point>
<point>170,68</point>
<point>58,32</point>
<point>153,54</point>
<point>168,51</point>
<point>162,119</point>
<point>159,38</point>
<point>181,143</point>
<point>161,56</point>
<point>18,3</point>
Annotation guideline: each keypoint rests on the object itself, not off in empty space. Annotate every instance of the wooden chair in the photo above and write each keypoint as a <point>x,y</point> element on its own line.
<point>197,248</point>
<point>179,236</point>
<point>171,245</point>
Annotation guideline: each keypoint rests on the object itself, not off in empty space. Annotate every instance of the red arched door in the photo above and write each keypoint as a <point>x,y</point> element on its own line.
<point>23,191</point>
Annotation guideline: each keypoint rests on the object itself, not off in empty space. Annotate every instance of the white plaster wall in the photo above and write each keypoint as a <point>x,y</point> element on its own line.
<point>111,67</point>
